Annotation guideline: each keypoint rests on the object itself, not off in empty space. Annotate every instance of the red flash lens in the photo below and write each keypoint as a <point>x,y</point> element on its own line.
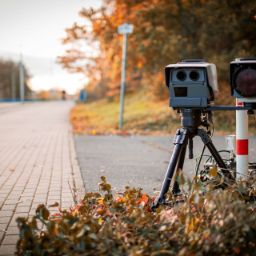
<point>246,82</point>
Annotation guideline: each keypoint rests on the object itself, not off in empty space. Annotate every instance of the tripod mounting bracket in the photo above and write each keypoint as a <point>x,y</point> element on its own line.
<point>180,136</point>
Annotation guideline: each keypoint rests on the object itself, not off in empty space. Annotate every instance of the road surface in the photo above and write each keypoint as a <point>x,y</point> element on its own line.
<point>138,161</point>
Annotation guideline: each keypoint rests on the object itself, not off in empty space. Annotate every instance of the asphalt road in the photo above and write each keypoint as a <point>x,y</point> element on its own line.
<point>136,161</point>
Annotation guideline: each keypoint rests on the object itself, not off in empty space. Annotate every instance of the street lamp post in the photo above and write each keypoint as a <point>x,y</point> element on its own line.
<point>13,84</point>
<point>124,29</point>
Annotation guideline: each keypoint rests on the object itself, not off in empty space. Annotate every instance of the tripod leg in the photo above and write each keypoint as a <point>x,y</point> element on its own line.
<point>179,142</point>
<point>176,188</point>
<point>190,149</point>
<point>208,143</point>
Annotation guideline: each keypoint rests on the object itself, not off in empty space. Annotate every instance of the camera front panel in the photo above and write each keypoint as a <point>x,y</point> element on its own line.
<point>188,87</point>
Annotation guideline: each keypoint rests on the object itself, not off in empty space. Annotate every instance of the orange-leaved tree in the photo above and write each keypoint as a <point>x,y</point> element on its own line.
<point>164,32</point>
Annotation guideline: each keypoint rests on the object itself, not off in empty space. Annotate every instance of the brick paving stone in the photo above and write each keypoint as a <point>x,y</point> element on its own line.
<point>6,214</point>
<point>7,250</point>
<point>10,239</point>
<point>4,220</point>
<point>22,209</point>
<point>8,207</point>
<point>12,231</point>
<point>37,164</point>
<point>11,201</point>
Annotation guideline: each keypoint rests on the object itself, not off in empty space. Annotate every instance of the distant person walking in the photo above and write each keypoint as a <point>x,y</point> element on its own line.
<point>63,95</point>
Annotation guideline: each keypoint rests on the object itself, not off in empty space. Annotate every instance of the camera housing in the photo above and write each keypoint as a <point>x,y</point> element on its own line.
<point>243,79</point>
<point>191,83</point>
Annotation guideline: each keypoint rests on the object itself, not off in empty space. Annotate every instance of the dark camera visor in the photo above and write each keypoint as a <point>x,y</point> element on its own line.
<point>246,82</point>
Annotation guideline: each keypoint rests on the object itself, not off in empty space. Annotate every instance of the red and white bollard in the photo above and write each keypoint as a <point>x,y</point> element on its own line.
<point>242,147</point>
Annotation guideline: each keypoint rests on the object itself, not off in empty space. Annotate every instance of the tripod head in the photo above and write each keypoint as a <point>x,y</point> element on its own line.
<point>193,118</point>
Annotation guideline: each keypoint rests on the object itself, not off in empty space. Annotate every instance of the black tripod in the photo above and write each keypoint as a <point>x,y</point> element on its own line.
<point>190,120</point>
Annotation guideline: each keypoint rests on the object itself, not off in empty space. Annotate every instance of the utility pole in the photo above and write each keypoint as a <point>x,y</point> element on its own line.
<point>124,29</point>
<point>22,80</point>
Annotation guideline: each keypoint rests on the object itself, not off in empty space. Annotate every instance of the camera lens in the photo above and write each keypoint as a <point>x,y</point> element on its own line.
<point>246,82</point>
<point>194,75</point>
<point>181,75</point>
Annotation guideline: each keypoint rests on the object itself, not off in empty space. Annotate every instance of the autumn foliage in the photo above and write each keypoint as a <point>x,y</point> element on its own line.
<point>204,222</point>
<point>165,32</point>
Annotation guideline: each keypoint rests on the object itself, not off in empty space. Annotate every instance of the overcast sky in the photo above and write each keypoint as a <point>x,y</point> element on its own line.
<point>34,28</point>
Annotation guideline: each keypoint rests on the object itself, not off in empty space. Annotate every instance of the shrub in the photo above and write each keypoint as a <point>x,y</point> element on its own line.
<point>205,222</point>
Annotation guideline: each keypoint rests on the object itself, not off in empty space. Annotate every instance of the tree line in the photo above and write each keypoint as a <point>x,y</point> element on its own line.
<point>165,31</point>
<point>9,79</point>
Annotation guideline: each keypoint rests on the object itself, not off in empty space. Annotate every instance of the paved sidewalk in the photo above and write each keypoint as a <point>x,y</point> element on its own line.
<point>37,164</point>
